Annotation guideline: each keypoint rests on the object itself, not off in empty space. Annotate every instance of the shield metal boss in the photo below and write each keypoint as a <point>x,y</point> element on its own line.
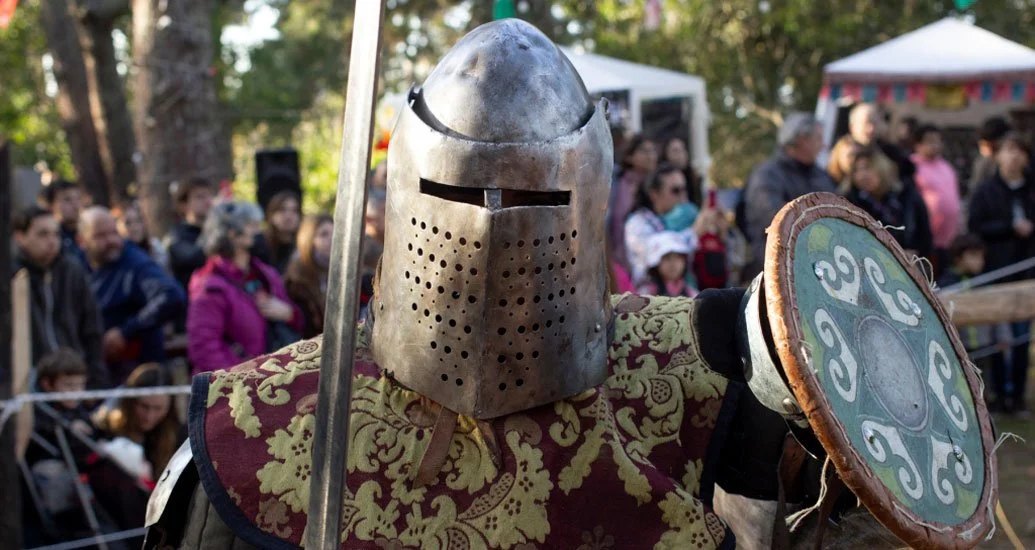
<point>880,373</point>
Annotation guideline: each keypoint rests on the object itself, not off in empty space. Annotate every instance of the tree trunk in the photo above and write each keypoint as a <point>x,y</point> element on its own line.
<point>73,98</point>
<point>107,98</point>
<point>175,108</point>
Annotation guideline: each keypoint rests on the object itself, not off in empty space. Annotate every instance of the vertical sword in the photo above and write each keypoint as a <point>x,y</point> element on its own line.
<point>331,433</point>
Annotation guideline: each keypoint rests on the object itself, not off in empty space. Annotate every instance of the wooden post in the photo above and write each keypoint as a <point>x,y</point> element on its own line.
<point>21,358</point>
<point>10,499</point>
<point>1002,303</point>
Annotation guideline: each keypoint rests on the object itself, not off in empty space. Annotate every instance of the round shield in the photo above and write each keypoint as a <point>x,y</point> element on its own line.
<point>879,373</point>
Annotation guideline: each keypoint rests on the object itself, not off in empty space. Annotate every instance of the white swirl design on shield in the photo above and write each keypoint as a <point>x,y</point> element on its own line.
<point>944,454</point>
<point>842,367</point>
<point>939,374</point>
<point>846,276</point>
<point>901,307</point>
<point>875,435</point>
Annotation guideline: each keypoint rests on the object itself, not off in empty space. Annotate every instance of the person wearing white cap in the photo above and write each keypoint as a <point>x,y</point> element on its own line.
<point>667,260</point>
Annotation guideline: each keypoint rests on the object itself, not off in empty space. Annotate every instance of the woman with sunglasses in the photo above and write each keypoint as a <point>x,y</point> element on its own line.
<point>663,194</point>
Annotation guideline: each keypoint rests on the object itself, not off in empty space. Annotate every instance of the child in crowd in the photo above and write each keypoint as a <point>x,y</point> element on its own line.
<point>54,511</point>
<point>967,259</point>
<point>715,258</point>
<point>667,273</point>
<point>64,371</point>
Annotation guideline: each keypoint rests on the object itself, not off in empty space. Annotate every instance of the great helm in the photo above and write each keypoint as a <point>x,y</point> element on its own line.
<point>493,292</point>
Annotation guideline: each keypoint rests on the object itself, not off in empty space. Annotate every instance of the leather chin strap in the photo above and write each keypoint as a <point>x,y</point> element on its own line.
<point>438,448</point>
<point>437,451</point>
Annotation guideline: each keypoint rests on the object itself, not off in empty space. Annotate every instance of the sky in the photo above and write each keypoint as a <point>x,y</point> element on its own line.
<point>259,27</point>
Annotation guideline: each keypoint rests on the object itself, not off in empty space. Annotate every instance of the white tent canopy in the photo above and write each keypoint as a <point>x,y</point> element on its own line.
<point>949,49</point>
<point>644,83</point>
<point>951,54</point>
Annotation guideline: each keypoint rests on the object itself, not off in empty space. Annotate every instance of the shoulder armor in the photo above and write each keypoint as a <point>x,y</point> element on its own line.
<point>170,483</point>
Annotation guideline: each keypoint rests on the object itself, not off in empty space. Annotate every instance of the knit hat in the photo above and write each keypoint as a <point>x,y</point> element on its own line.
<point>666,242</point>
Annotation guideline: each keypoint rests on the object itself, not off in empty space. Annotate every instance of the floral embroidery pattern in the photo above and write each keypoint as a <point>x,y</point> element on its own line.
<point>596,540</point>
<point>273,517</point>
<point>287,477</point>
<point>640,437</point>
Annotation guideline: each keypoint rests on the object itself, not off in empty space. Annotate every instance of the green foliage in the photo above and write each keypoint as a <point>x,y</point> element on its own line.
<point>761,59</point>
<point>28,117</point>
<point>317,137</point>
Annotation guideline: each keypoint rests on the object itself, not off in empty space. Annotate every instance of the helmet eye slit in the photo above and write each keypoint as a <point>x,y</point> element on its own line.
<point>453,193</point>
<point>494,199</point>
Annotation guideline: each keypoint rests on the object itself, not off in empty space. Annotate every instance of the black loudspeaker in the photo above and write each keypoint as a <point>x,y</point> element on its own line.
<point>276,170</point>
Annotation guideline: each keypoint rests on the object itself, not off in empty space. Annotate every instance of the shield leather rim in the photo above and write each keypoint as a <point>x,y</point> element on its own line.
<point>786,326</point>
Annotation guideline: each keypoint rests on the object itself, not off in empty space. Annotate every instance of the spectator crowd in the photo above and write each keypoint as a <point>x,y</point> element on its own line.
<point>112,306</point>
<point>668,237</point>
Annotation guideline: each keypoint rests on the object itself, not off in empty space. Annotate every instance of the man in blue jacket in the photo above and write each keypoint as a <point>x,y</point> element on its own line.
<point>136,297</point>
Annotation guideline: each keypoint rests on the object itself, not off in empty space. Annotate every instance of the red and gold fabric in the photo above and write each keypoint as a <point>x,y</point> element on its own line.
<point>627,464</point>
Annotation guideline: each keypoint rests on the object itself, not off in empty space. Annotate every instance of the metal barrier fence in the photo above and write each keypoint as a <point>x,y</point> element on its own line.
<point>99,540</point>
<point>989,277</point>
<point>15,404</point>
<point>11,407</point>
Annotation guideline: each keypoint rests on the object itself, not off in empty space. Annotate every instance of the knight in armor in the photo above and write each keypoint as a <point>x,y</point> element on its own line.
<point>502,399</point>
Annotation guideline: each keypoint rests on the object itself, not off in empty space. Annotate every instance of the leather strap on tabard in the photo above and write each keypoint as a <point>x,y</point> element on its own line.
<point>790,488</point>
<point>788,480</point>
<point>438,448</point>
<point>834,489</point>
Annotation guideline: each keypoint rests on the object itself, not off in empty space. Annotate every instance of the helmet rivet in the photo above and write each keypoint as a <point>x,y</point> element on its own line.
<point>598,328</point>
<point>957,452</point>
<point>818,271</point>
<point>870,436</point>
<point>789,405</point>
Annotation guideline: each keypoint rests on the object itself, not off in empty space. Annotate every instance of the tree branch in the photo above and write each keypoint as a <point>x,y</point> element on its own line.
<point>772,115</point>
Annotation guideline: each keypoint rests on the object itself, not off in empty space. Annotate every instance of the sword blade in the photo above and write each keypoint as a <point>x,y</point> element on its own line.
<point>331,433</point>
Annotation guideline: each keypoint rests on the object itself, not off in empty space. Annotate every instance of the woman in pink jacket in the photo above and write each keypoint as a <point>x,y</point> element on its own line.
<point>238,307</point>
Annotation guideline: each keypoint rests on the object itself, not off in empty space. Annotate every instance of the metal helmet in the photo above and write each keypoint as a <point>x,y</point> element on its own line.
<point>493,291</point>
